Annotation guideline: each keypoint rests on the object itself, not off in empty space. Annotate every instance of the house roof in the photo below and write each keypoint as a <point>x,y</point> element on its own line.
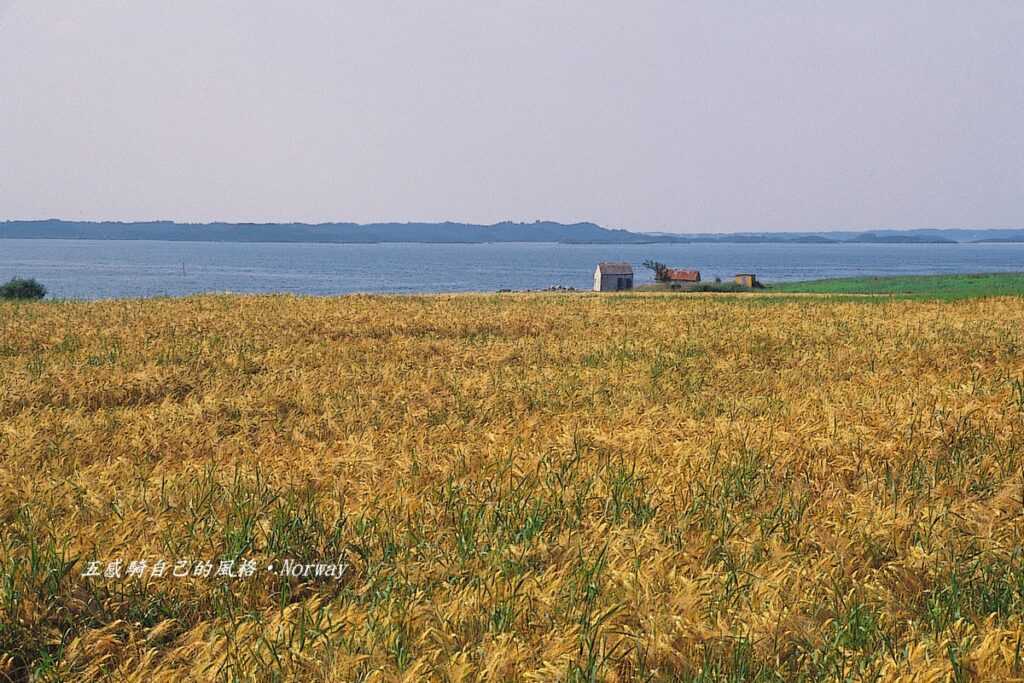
<point>676,275</point>
<point>615,268</point>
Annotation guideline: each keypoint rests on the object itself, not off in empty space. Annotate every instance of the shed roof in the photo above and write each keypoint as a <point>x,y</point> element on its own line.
<point>676,275</point>
<point>614,268</point>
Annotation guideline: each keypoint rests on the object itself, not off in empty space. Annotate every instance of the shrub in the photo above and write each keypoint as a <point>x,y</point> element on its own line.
<point>20,288</point>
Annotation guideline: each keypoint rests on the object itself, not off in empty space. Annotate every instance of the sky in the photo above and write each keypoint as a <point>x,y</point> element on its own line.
<point>658,115</point>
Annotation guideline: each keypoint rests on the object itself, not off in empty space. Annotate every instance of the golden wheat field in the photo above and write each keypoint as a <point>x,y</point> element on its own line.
<point>523,487</point>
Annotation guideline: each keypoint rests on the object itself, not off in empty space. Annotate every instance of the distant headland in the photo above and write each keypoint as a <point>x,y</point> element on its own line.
<point>466,233</point>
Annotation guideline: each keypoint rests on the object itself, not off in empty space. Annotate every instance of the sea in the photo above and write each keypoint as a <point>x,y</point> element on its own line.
<point>101,269</point>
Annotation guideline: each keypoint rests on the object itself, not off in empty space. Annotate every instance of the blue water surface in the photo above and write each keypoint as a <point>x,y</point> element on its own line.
<point>87,269</point>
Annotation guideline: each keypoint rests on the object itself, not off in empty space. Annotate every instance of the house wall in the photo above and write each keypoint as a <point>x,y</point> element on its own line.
<point>610,283</point>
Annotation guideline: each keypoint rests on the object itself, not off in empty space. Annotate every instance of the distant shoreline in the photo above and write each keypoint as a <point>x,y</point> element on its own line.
<point>545,232</point>
<point>483,242</point>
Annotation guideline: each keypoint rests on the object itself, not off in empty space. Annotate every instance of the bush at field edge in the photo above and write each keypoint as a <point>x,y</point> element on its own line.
<point>20,288</point>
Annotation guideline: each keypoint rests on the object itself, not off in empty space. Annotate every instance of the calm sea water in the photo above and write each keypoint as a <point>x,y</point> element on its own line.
<point>83,269</point>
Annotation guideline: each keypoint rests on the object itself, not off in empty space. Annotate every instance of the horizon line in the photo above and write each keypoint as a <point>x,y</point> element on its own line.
<point>744,231</point>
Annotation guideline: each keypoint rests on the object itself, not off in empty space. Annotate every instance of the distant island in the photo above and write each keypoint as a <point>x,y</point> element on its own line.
<point>467,233</point>
<point>873,238</point>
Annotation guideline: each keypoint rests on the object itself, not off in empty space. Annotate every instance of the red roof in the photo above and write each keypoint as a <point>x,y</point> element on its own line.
<point>675,275</point>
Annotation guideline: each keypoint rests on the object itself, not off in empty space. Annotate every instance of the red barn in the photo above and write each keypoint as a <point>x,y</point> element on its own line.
<point>675,275</point>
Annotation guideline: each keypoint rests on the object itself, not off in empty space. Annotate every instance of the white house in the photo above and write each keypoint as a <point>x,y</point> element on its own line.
<point>613,276</point>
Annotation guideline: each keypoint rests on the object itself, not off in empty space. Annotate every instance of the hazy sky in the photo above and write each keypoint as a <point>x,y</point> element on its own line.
<point>651,115</point>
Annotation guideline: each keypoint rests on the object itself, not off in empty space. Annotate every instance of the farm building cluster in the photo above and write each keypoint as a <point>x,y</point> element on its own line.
<point>617,276</point>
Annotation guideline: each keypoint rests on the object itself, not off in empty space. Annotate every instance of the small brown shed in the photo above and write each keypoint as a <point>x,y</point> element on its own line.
<point>746,279</point>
